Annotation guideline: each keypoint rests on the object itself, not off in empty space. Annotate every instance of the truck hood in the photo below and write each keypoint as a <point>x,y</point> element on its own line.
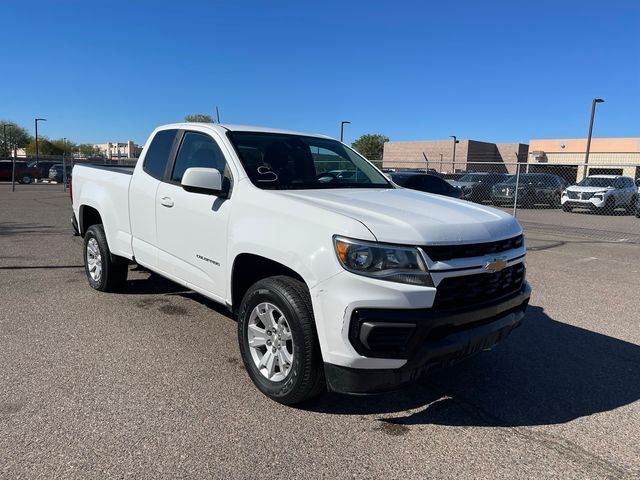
<point>406,216</point>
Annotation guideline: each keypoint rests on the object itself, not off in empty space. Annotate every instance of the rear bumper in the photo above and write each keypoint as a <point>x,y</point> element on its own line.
<point>432,338</point>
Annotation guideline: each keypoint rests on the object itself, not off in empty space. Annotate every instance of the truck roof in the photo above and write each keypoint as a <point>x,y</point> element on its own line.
<point>223,127</point>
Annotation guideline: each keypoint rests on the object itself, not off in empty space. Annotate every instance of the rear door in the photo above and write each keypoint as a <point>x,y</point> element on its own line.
<point>142,196</point>
<point>192,227</point>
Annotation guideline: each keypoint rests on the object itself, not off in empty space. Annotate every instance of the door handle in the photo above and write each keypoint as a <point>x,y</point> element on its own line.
<point>166,201</point>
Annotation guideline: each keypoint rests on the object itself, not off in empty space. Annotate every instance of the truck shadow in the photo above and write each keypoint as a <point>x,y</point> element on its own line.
<point>547,372</point>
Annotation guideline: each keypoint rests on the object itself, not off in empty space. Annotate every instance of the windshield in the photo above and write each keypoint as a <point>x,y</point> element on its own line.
<point>525,178</point>
<point>596,182</point>
<point>478,177</point>
<point>286,161</point>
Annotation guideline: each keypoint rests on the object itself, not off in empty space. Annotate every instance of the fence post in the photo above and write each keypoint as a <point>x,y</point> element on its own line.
<point>515,194</point>
<point>13,171</point>
<point>64,172</point>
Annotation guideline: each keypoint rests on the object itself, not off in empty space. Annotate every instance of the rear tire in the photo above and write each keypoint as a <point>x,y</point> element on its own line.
<point>567,208</point>
<point>26,179</point>
<point>276,312</point>
<point>105,272</point>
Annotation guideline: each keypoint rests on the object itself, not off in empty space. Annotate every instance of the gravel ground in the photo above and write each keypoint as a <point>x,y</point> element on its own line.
<point>149,383</point>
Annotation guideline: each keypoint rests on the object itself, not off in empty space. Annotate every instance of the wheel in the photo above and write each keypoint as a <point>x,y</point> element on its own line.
<point>567,208</point>
<point>278,340</point>
<point>26,179</point>
<point>631,206</point>
<point>556,201</point>
<point>105,272</point>
<point>610,206</point>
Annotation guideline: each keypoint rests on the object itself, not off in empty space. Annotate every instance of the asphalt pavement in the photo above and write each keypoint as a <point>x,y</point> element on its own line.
<point>149,383</point>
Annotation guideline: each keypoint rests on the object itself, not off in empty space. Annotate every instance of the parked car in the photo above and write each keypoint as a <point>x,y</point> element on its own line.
<point>533,189</point>
<point>477,186</point>
<point>42,167</point>
<point>452,177</point>
<point>603,193</point>
<point>56,172</point>
<point>24,174</point>
<point>356,286</point>
<point>425,182</point>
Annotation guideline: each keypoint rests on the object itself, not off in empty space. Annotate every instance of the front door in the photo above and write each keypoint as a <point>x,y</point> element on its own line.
<point>192,227</point>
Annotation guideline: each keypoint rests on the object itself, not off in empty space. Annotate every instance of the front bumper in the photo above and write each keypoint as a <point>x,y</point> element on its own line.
<point>427,338</point>
<point>592,203</point>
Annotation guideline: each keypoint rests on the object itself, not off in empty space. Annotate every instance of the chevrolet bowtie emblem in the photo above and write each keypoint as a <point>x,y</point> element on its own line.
<point>496,265</point>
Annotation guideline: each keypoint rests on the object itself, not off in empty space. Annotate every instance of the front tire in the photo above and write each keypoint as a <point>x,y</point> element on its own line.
<point>632,206</point>
<point>278,340</point>
<point>566,208</point>
<point>26,179</point>
<point>105,272</point>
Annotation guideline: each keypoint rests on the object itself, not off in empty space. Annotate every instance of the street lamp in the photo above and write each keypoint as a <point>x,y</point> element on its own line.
<point>36,122</point>
<point>342,129</point>
<point>593,113</point>
<point>455,140</point>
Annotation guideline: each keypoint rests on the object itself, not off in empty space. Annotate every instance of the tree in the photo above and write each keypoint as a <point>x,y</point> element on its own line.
<point>15,134</point>
<point>45,147</point>
<point>371,146</point>
<point>199,117</point>
<point>88,150</point>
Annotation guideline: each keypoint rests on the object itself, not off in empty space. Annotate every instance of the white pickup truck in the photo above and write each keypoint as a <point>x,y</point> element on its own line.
<point>349,283</point>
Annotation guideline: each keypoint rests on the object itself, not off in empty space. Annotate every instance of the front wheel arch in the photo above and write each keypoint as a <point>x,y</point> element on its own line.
<point>249,268</point>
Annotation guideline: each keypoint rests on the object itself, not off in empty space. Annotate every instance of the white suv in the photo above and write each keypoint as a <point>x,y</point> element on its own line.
<point>601,192</point>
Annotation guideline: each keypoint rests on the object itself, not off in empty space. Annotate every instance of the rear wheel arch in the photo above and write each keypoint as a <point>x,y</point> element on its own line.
<point>88,216</point>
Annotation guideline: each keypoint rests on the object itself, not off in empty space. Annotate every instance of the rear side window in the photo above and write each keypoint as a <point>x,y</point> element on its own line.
<point>155,160</point>
<point>198,150</point>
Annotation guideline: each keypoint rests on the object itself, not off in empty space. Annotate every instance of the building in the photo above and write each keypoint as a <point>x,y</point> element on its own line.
<point>470,155</point>
<point>566,157</point>
<point>116,150</point>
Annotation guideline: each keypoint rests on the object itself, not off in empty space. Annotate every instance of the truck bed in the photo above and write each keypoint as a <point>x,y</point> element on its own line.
<point>105,188</point>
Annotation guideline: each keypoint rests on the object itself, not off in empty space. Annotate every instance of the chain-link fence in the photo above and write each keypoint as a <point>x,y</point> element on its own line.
<point>57,169</point>
<point>599,201</point>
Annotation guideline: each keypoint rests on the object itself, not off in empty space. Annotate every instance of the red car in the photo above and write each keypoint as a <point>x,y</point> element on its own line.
<point>24,173</point>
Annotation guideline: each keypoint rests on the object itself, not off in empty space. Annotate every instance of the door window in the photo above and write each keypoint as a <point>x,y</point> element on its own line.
<point>155,160</point>
<point>198,150</point>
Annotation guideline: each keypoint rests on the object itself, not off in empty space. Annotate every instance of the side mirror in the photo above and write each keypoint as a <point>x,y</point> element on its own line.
<point>204,180</point>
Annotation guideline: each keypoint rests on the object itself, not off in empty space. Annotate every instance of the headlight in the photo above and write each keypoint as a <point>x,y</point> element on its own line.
<point>384,262</point>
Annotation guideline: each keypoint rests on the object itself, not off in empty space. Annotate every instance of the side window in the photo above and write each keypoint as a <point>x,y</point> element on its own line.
<point>198,150</point>
<point>618,183</point>
<point>155,160</point>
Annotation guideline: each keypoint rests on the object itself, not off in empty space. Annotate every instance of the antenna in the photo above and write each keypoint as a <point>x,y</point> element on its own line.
<point>217,114</point>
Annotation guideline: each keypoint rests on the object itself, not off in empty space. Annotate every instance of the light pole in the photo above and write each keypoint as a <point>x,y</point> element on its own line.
<point>13,159</point>
<point>455,140</point>
<point>36,122</point>
<point>593,113</point>
<point>64,164</point>
<point>342,129</point>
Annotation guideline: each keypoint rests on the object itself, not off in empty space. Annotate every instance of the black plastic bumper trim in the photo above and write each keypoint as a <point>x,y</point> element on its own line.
<point>431,323</point>
<point>444,352</point>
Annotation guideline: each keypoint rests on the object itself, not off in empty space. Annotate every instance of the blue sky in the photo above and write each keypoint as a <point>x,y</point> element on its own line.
<point>491,70</point>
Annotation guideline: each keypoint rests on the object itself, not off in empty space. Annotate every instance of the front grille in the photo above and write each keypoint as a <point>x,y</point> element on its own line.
<point>579,195</point>
<point>448,252</point>
<point>469,290</point>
